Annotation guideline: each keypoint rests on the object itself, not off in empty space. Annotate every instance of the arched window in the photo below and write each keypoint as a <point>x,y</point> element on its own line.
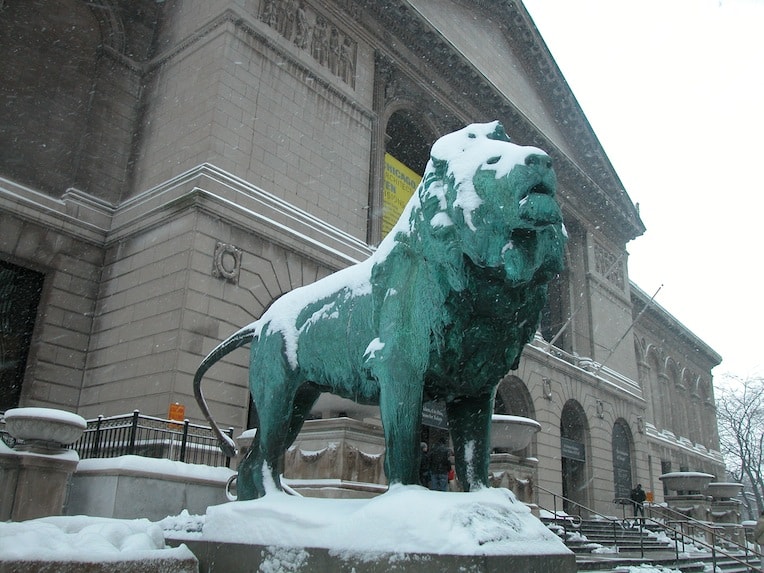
<point>20,291</point>
<point>574,430</point>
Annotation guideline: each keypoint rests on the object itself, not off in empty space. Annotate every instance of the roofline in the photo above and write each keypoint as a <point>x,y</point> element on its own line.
<point>661,314</point>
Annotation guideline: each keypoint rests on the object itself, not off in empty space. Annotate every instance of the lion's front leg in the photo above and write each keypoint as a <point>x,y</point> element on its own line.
<point>469,420</point>
<point>400,406</point>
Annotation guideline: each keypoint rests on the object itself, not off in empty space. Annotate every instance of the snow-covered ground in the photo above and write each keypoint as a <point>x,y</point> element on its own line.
<point>405,519</point>
<point>85,539</point>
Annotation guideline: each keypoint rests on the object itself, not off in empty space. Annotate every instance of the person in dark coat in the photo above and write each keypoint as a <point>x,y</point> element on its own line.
<point>440,464</point>
<point>424,466</point>
<point>638,497</point>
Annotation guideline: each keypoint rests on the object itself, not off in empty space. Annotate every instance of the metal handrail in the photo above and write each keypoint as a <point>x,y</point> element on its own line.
<point>614,522</point>
<point>706,527</point>
<point>666,529</point>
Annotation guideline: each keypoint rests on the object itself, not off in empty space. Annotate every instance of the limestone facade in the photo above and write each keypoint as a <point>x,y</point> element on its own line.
<point>170,168</point>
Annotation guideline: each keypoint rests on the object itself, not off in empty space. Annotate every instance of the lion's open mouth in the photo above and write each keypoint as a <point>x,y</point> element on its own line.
<point>538,188</point>
<point>538,206</point>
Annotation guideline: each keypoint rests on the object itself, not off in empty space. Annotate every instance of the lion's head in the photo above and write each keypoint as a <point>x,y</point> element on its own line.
<point>497,200</point>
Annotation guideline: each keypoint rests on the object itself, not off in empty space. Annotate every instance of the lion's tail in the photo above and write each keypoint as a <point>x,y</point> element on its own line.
<point>237,340</point>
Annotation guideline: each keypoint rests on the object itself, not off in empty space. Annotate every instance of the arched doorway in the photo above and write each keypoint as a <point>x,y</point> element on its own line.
<point>408,140</point>
<point>622,466</point>
<point>407,150</point>
<point>574,431</point>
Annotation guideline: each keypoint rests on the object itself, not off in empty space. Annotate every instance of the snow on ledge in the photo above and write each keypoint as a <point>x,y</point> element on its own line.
<point>154,467</point>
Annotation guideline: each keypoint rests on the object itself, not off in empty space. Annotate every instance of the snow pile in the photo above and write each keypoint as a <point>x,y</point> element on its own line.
<point>85,539</point>
<point>646,569</point>
<point>406,519</point>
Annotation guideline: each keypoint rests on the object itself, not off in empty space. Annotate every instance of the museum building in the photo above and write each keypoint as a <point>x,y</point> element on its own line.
<point>169,168</point>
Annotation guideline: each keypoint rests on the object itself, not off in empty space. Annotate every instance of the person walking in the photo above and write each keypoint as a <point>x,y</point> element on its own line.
<point>638,497</point>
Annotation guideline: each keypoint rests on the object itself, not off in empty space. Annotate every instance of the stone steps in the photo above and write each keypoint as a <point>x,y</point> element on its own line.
<point>620,549</point>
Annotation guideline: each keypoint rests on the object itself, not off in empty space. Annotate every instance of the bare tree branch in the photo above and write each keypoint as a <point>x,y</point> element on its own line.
<point>740,417</point>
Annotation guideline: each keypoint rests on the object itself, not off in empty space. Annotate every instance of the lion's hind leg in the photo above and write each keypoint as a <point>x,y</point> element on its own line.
<point>306,396</point>
<point>281,419</point>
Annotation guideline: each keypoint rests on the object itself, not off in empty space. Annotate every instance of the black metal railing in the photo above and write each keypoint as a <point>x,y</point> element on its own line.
<point>673,530</point>
<point>140,435</point>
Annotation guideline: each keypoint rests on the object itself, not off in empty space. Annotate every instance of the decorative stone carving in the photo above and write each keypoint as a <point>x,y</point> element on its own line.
<point>607,265</point>
<point>226,262</point>
<point>310,31</point>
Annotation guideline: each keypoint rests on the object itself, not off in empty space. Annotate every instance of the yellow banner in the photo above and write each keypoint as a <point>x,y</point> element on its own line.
<point>400,184</point>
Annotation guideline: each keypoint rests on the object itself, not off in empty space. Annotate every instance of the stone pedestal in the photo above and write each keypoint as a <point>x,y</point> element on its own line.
<point>34,485</point>
<point>696,506</point>
<point>219,557</point>
<point>517,474</point>
<point>337,457</point>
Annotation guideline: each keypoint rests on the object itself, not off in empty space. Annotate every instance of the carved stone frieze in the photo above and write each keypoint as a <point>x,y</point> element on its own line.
<point>314,33</point>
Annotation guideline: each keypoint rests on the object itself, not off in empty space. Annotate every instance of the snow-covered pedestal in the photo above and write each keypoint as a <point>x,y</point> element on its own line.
<point>409,528</point>
<point>690,499</point>
<point>725,509</point>
<point>35,473</point>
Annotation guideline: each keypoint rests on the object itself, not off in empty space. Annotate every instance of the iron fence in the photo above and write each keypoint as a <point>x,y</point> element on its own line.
<point>140,435</point>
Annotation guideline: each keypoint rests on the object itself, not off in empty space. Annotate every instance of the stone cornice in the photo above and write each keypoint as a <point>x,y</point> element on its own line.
<point>205,187</point>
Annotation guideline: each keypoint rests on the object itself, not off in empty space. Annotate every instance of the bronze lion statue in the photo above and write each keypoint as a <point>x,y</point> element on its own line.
<point>440,311</point>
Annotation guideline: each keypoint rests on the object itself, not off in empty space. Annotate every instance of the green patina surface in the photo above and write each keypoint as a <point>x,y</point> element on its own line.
<point>441,311</point>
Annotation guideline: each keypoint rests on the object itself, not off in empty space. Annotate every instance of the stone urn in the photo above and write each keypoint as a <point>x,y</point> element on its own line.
<point>686,481</point>
<point>723,490</point>
<point>44,429</point>
<point>512,432</point>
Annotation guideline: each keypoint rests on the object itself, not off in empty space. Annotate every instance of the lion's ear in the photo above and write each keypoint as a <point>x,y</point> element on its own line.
<point>498,133</point>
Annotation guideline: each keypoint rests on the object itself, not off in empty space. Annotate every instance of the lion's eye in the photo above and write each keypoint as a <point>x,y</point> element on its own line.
<point>493,160</point>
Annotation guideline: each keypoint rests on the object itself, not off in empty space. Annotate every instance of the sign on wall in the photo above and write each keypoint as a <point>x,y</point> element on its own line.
<point>400,182</point>
<point>572,449</point>
<point>434,414</point>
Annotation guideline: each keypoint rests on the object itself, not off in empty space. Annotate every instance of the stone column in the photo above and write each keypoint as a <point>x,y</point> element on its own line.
<point>34,485</point>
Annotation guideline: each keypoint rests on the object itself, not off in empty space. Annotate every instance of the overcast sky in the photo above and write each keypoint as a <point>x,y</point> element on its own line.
<point>674,90</point>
